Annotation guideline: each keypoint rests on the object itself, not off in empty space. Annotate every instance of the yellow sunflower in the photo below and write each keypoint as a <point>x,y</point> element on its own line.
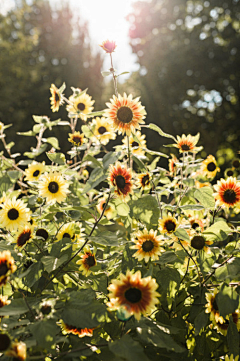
<point>135,147</point>
<point>80,332</point>
<point>4,301</point>
<point>34,171</point>
<point>223,327</point>
<point>134,291</point>
<point>232,358</point>
<point>5,342</point>
<point>230,172</point>
<point>148,245</point>
<point>227,192</point>
<point>88,260</point>
<point>196,223</point>
<point>3,199</point>
<point>201,185</point>
<point>187,143</point>
<point>108,46</point>
<point>199,243</point>
<point>76,139</point>
<point>121,179</point>
<point>17,350</point>
<point>236,163</point>
<point>212,307</point>
<point>172,164</point>
<point>53,187</point>
<point>108,213</point>
<point>41,232</point>
<point>80,106</point>
<point>144,180</point>
<point>67,231</point>
<point>56,98</point>
<point>7,266</point>
<point>168,224</point>
<point>24,235</point>
<point>209,167</point>
<point>14,214</point>
<point>125,113</point>
<point>103,130</point>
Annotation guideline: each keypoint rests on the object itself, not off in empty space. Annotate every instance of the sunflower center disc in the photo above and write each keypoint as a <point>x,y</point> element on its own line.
<point>170,226</point>
<point>214,305</point>
<point>102,130</point>
<point>3,269</point>
<point>42,233</point>
<point>195,225</point>
<point>36,173</point>
<point>198,242</point>
<point>135,144</point>
<point>185,147</point>
<point>77,140</point>
<point>57,97</point>
<point>148,245</point>
<point>4,342</point>
<point>145,180</point>
<point>211,167</point>
<point>13,214</point>
<point>125,115</point>
<point>120,181</point>
<point>66,235</point>
<point>133,295</point>
<point>81,106</point>
<point>91,261</point>
<point>23,238</point>
<point>236,163</point>
<point>53,187</point>
<point>229,173</point>
<point>229,196</point>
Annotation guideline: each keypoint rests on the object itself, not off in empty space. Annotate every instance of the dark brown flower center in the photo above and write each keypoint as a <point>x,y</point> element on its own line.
<point>195,225</point>
<point>77,140</point>
<point>36,173</point>
<point>229,196</point>
<point>13,214</point>
<point>214,305</point>
<point>185,147</point>
<point>145,180</point>
<point>236,163</point>
<point>211,166</point>
<point>125,115</point>
<point>102,130</point>
<point>135,144</point>
<point>41,232</point>
<point>148,245</point>
<point>90,261</point>
<point>120,181</point>
<point>23,238</point>
<point>66,235</point>
<point>5,342</point>
<point>133,295</point>
<point>198,242</point>
<point>170,226</point>
<point>57,97</point>
<point>81,106</point>
<point>53,187</point>
<point>103,205</point>
<point>46,309</point>
<point>3,268</point>
<point>229,173</point>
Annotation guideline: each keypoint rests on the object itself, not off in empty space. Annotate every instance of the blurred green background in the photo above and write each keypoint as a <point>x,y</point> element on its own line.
<point>188,78</point>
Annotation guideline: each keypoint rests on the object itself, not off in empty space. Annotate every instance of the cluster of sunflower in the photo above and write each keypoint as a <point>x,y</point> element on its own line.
<point>141,259</point>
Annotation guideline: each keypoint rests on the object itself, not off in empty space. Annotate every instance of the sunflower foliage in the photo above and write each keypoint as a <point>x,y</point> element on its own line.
<point>106,255</point>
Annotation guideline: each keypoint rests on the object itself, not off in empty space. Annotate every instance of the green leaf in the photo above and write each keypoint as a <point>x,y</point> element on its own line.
<point>217,232</point>
<point>110,158</point>
<point>227,300</point>
<point>124,72</point>
<point>94,161</point>
<point>87,131</point>
<point>14,175</point>
<point>169,257</point>
<point>37,128</point>
<point>182,234</point>
<point>153,152</point>
<point>200,322</point>
<point>105,73</point>
<point>29,133</point>
<point>53,141</point>
<point>191,207</point>
<point>96,114</point>
<point>233,338</point>
<point>44,332</point>
<point>128,349</point>
<point>51,263</point>
<point>97,176</point>
<point>58,158</point>
<point>18,306</point>
<point>139,163</point>
<point>229,271</point>
<point>145,209</point>
<point>205,197</point>
<point>169,280</point>
<point>35,153</point>
<point>5,184</point>
<point>35,272</point>
<point>159,130</point>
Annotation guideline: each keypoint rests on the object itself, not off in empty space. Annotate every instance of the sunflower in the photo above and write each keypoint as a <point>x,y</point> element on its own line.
<point>212,307</point>
<point>168,224</point>
<point>53,187</point>
<point>199,243</point>
<point>3,199</point>
<point>236,163</point>
<point>4,301</point>
<point>201,185</point>
<point>223,327</point>
<point>88,260</point>
<point>41,232</point>
<point>80,106</point>
<point>56,98</point>
<point>125,113</point>
<point>187,143</point>
<point>18,351</point>
<point>196,223</point>
<point>147,245</point>
<point>144,180</point>
<point>103,130</point>
<point>228,192</point>
<point>121,179</point>
<point>24,235</point>
<point>80,332</point>
<point>209,167</point>
<point>172,164</point>
<point>136,292</point>
<point>5,342</point>
<point>108,213</point>
<point>7,266</point>
<point>76,139</point>
<point>14,214</point>
<point>108,46</point>
<point>136,147</point>
<point>232,358</point>
<point>230,172</point>
<point>34,171</point>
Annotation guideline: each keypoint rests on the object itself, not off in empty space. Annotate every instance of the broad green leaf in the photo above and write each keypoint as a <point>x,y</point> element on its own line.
<point>145,209</point>
<point>227,300</point>
<point>5,183</point>
<point>97,176</point>
<point>139,162</point>
<point>52,263</point>
<point>233,338</point>
<point>128,349</point>
<point>53,141</point>
<point>110,158</point>
<point>169,257</point>
<point>205,197</point>
<point>14,174</point>
<point>94,161</point>
<point>124,72</point>
<point>105,73</point>
<point>229,271</point>
<point>182,234</point>
<point>45,332</point>
<point>35,153</point>
<point>35,272</point>
<point>191,207</point>
<point>37,128</point>
<point>121,207</point>
<point>168,280</point>
<point>153,152</point>
<point>159,130</point>
<point>18,306</point>
<point>87,131</point>
<point>217,232</point>
<point>96,114</point>
<point>58,158</point>
<point>200,322</point>
<point>29,133</point>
